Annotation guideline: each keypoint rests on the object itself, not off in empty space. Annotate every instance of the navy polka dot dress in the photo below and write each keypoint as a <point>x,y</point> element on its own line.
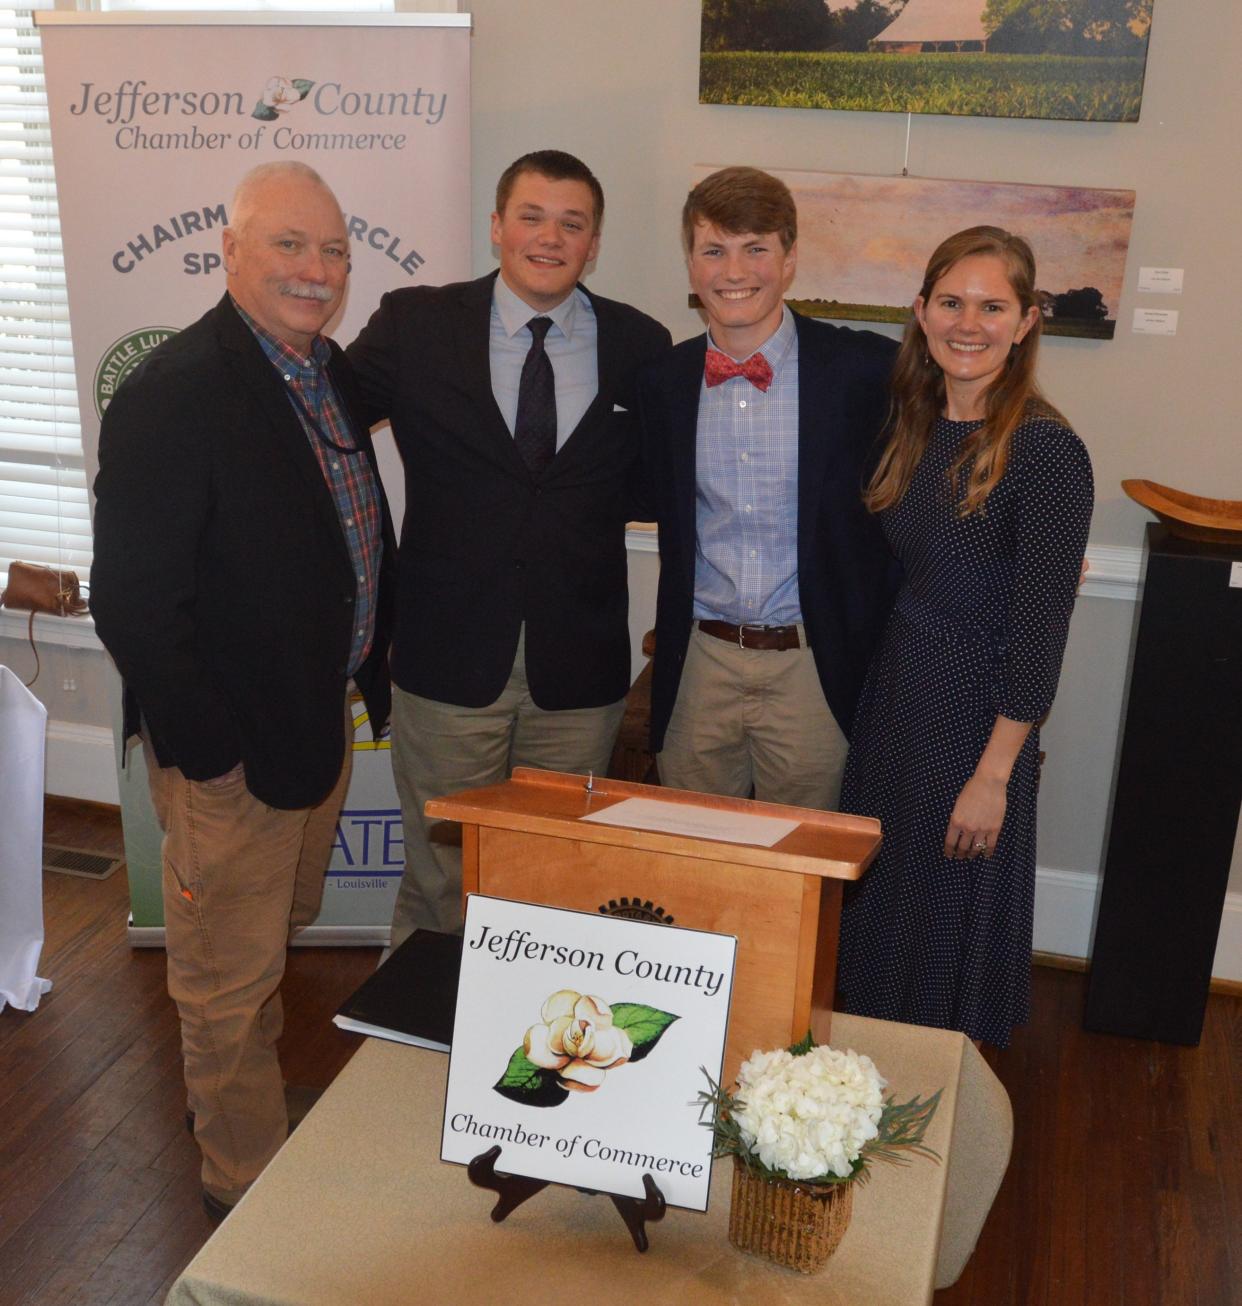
<point>978,630</point>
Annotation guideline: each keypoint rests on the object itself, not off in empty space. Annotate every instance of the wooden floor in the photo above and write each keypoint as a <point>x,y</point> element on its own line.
<point>1125,1187</point>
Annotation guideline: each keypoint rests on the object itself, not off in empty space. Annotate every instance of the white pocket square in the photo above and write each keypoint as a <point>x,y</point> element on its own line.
<point>619,408</point>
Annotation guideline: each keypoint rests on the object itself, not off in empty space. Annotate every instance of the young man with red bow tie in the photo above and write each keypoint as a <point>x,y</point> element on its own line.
<point>774,580</point>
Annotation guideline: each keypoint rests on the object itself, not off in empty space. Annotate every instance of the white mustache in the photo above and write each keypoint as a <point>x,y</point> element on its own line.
<point>307,290</point>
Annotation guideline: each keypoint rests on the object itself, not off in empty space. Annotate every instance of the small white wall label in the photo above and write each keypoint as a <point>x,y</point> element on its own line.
<point>1155,321</point>
<point>1160,281</point>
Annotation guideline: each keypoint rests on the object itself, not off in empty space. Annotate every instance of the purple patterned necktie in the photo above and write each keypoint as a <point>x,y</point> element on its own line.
<point>534,428</point>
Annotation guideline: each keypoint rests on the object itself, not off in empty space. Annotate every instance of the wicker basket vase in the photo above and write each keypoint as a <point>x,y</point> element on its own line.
<point>794,1224</point>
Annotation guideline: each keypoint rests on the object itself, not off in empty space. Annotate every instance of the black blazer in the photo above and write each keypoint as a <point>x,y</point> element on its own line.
<point>846,575</point>
<point>485,544</point>
<point>222,584</point>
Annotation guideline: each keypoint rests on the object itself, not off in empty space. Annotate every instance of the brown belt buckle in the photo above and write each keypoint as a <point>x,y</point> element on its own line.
<point>741,633</point>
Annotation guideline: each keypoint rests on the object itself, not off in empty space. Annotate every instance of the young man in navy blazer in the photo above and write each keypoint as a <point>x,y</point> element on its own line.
<point>511,401</point>
<point>774,580</point>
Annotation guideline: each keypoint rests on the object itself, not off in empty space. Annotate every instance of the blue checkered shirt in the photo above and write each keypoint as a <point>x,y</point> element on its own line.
<point>350,477</point>
<point>746,493</point>
<point>570,346</point>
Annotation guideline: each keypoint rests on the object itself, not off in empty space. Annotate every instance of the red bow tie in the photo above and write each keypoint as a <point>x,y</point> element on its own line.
<point>720,367</point>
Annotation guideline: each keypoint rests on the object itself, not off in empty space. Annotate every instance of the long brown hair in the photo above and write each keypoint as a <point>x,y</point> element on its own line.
<point>918,390</point>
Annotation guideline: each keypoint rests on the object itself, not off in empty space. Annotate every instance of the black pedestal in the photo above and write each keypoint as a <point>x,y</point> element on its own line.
<point>1176,797</point>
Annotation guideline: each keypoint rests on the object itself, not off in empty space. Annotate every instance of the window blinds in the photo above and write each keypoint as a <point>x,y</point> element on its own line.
<point>43,500</point>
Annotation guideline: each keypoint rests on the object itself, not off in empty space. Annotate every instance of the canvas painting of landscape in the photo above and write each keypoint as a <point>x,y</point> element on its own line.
<point>1082,60</point>
<point>863,243</point>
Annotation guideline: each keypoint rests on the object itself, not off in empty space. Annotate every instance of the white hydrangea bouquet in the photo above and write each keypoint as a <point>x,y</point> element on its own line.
<point>809,1120</point>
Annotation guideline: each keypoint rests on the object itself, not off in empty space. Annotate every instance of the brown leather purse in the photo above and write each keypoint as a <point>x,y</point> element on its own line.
<point>34,588</point>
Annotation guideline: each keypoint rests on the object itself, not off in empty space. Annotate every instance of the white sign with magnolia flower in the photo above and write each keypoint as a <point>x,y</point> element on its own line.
<point>579,1048</point>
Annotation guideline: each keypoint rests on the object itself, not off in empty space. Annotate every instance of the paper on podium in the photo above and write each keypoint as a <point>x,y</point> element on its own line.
<point>699,822</point>
<point>23,722</point>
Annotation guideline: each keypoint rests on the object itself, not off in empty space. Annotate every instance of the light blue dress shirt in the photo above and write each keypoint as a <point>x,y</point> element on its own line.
<point>746,493</point>
<point>570,345</point>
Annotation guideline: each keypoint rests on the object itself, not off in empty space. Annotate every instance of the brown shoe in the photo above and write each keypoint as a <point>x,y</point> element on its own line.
<point>215,1208</point>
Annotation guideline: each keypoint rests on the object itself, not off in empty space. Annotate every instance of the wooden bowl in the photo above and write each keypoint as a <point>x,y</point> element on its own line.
<point>1218,521</point>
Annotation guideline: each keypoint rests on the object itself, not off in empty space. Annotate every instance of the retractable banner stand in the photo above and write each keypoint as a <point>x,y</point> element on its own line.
<point>155,118</point>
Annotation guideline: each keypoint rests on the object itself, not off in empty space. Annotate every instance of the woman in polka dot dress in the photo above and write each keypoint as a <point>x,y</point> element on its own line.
<point>986,497</point>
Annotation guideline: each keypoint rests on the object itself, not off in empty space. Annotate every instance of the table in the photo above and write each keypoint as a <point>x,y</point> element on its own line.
<point>358,1208</point>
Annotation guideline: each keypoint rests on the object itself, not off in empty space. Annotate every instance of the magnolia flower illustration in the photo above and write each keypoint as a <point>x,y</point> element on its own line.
<point>280,94</point>
<point>579,1038</point>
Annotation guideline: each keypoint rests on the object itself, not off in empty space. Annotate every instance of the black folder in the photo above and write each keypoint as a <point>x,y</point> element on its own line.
<point>412,997</point>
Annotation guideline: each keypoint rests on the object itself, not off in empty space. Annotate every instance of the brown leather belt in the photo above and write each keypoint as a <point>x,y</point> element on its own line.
<point>766,637</point>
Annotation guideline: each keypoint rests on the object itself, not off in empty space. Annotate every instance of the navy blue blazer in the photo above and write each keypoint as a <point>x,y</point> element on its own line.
<point>486,546</point>
<point>846,575</point>
<point>222,584</point>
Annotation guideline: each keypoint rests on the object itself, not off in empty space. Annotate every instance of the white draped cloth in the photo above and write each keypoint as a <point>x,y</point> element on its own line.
<point>23,727</point>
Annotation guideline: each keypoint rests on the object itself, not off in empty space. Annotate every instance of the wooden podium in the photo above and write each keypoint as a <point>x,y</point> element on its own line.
<point>525,839</point>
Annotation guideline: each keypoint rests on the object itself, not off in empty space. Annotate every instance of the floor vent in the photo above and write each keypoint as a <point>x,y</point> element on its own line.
<point>78,861</point>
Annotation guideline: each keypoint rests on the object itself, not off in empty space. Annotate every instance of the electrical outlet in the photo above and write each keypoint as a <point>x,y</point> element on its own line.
<point>69,684</point>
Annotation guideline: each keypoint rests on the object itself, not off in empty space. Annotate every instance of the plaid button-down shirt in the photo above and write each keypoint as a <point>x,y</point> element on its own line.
<point>746,492</point>
<point>349,476</point>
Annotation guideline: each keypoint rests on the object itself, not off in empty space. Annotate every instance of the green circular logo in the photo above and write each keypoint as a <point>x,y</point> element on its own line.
<point>120,359</point>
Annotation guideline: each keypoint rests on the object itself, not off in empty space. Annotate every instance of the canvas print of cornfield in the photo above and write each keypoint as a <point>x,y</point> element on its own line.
<point>863,243</point>
<point>1082,60</point>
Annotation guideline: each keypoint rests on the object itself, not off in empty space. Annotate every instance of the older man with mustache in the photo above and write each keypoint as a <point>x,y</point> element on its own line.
<point>242,581</point>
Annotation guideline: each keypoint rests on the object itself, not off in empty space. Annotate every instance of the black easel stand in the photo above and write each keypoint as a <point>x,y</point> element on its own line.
<point>513,1190</point>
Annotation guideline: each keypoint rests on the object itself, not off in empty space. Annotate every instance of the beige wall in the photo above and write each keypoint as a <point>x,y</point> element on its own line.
<point>72,682</point>
<point>617,83</point>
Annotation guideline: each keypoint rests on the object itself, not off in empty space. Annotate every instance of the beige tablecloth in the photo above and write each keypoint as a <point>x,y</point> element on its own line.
<point>357,1208</point>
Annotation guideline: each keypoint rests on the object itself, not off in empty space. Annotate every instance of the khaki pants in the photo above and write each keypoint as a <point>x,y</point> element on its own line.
<point>753,722</point>
<point>441,748</point>
<point>239,879</point>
